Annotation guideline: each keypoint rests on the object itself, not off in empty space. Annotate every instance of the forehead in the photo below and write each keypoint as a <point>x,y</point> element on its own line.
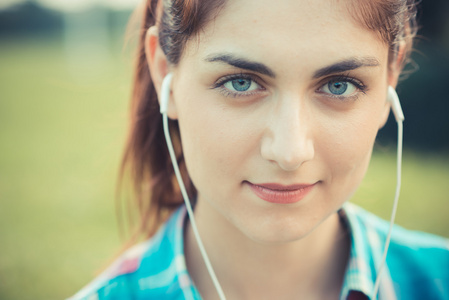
<point>275,30</point>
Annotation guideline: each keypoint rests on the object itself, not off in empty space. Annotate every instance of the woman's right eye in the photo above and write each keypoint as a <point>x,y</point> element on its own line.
<point>241,85</point>
<point>238,85</point>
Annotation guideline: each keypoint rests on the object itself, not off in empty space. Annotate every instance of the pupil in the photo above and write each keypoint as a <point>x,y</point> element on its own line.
<point>241,85</point>
<point>338,88</point>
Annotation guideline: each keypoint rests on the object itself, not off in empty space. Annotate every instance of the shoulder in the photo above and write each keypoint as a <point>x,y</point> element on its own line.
<point>418,262</point>
<point>149,270</point>
<point>402,240</point>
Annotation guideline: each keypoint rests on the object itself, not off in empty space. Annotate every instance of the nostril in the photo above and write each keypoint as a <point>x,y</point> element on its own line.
<point>289,155</point>
<point>291,162</point>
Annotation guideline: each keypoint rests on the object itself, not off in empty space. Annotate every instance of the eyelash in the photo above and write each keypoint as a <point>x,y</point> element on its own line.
<point>342,78</point>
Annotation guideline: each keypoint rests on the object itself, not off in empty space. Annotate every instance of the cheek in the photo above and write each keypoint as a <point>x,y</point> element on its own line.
<point>215,143</point>
<point>347,147</point>
<point>348,141</point>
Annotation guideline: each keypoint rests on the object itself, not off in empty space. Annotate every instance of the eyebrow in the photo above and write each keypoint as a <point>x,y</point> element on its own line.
<point>341,66</point>
<point>241,63</point>
<point>347,65</point>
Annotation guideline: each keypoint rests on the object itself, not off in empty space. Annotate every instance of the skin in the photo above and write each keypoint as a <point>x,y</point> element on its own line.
<point>288,129</point>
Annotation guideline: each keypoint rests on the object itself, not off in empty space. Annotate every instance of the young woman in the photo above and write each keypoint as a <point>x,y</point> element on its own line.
<point>274,107</point>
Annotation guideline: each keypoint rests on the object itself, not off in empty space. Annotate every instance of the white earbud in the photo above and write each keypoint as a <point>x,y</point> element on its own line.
<point>395,104</point>
<point>165,93</point>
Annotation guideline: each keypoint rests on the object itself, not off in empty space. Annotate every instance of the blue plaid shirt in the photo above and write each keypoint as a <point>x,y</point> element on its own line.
<point>417,264</point>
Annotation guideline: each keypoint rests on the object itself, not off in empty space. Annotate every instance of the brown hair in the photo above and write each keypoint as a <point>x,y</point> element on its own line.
<point>146,157</point>
<point>393,20</point>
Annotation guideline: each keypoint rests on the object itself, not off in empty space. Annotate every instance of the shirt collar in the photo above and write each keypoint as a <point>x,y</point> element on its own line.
<point>176,226</point>
<point>365,254</point>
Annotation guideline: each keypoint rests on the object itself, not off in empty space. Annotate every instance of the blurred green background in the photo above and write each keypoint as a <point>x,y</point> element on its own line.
<point>64,90</point>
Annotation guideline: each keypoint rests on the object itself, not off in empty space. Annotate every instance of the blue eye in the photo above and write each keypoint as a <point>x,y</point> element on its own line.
<point>337,88</point>
<point>241,85</point>
<point>340,87</point>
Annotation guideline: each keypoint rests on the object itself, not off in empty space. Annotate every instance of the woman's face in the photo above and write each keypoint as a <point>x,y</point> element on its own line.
<point>275,96</point>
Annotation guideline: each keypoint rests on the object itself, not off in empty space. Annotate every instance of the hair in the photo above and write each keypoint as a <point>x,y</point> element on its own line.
<point>146,158</point>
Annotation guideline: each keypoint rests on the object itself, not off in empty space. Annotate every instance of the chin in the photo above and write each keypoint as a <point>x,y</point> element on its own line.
<point>275,232</point>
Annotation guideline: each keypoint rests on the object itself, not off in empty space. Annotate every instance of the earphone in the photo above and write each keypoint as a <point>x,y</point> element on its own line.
<point>392,98</point>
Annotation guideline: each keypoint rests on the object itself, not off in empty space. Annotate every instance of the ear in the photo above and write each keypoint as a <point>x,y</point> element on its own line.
<point>396,65</point>
<point>159,66</point>
<point>394,71</point>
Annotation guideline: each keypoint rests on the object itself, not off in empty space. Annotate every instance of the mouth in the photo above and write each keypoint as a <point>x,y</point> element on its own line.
<point>281,194</point>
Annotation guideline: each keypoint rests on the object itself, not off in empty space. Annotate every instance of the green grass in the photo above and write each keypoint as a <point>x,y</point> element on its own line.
<point>61,138</point>
<point>424,198</point>
<point>61,141</point>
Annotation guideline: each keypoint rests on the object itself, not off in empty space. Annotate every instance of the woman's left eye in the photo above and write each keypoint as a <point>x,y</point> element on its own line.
<point>341,87</point>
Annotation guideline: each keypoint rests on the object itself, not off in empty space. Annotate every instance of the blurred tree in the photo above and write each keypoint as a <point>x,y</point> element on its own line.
<point>28,18</point>
<point>423,95</point>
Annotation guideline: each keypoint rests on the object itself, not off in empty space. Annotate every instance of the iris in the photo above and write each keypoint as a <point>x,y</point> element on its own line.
<point>337,87</point>
<point>241,84</point>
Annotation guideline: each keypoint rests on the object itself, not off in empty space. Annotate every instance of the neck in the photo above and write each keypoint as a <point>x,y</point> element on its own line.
<point>310,268</point>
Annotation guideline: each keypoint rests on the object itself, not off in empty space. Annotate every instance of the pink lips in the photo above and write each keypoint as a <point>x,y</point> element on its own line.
<point>281,194</point>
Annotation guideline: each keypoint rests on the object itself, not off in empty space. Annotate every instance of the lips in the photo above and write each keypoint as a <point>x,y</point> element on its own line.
<point>281,194</point>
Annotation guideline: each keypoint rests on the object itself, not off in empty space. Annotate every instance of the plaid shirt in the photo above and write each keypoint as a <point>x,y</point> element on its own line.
<point>417,264</point>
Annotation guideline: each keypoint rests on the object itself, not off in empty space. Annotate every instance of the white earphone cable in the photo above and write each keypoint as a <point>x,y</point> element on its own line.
<point>393,212</point>
<point>164,104</point>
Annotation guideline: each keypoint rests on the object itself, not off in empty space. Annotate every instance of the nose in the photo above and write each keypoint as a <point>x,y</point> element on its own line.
<point>287,138</point>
